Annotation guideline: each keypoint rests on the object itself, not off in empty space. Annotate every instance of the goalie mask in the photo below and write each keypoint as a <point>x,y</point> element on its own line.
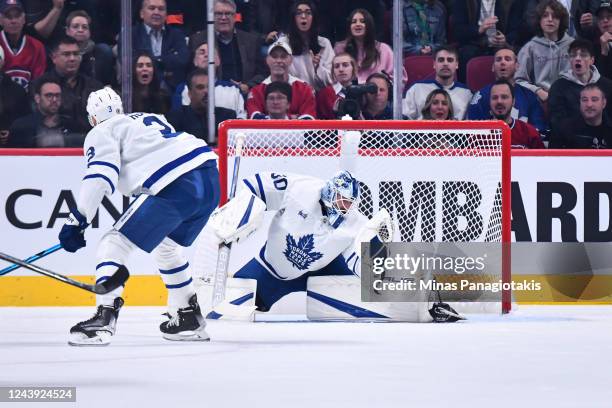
<point>339,195</point>
<point>102,105</point>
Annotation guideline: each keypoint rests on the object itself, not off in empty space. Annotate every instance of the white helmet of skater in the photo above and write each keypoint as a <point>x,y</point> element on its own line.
<point>102,105</point>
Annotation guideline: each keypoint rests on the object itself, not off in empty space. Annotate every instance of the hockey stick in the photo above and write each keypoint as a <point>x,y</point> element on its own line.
<point>31,259</point>
<point>112,283</point>
<point>218,293</point>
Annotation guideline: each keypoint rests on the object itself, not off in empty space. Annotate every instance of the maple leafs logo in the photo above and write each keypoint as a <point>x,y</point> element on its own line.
<point>301,254</point>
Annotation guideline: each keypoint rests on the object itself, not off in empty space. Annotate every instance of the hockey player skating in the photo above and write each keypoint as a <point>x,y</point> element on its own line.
<point>174,177</point>
<point>317,230</point>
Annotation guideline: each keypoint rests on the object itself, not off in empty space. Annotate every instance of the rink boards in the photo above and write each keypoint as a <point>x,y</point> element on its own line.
<point>556,196</point>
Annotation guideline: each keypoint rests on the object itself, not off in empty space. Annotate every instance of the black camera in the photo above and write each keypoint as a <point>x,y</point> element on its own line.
<point>353,97</point>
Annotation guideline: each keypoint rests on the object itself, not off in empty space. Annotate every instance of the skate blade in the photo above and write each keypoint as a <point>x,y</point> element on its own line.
<point>102,338</point>
<point>189,335</point>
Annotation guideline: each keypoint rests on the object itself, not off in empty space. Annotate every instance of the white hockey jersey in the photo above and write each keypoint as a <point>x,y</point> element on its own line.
<point>136,153</point>
<point>300,238</point>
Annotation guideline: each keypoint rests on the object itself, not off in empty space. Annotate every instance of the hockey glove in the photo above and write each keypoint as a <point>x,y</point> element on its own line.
<point>71,236</point>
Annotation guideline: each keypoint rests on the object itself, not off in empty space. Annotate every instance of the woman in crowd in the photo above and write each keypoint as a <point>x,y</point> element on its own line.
<point>312,54</point>
<point>542,59</point>
<point>438,106</point>
<point>372,56</point>
<point>148,96</point>
<point>344,72</point>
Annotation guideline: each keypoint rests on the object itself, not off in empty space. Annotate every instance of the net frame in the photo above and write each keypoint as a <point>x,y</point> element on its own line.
<point>225,151</point>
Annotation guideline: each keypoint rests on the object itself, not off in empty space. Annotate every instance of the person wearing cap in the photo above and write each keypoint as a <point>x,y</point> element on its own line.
<point>603,56</point>
<point>165,43</point>
<point>303,104</point>
<point>25,58</point>
<point>13,103</point>
<point>227,94</point>
<point>240,51</point>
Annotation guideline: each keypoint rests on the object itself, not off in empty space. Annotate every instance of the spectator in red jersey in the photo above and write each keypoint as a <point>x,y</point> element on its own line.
<point>438,106</point>
<point>303,104</point>
<point>25,58</point>
<point>524,135</point>
<point>13,103</point>
<point>344,72</point>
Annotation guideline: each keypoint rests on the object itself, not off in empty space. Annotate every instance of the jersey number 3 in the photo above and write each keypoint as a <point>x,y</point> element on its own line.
<point>167,131</point>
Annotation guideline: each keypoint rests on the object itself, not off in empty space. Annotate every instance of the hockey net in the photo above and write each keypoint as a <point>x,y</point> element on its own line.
<point>441,181</point>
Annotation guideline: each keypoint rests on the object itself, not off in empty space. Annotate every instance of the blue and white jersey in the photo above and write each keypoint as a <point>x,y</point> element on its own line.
<point>414,100</point>
<point>134,154</point>
<point>300,238</point>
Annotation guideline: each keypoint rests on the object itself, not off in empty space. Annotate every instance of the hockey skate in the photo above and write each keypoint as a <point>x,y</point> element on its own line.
<point>187,325</point>
<point>98,330</point>
<point>443,313</point>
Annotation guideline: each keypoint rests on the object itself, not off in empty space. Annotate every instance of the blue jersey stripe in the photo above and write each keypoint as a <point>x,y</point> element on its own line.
<point>261,189</point>
<point>180,285</point>
<point>262,255</point>
<point>174,270</point>
<point>103,177</point>
<point>168,167</point>
<point>103,163</point>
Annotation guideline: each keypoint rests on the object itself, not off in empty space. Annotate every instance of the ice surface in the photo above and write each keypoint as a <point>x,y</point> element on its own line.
<point>539,356</point>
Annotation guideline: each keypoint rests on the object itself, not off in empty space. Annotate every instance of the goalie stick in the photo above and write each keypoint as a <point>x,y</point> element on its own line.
<point>218,293</point>
<point>32,258</point>
<point>112,283</point>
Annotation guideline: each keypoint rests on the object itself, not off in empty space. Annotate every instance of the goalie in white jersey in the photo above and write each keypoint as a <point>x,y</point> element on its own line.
<point>175,180</point>
<point>317,230</point>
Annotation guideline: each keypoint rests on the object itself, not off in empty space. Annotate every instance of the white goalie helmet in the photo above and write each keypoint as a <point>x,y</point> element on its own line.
<point>340,195</point>
<point>102,105</point>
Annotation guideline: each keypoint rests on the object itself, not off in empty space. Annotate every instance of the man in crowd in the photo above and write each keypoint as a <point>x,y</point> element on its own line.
<point>193,118</point>
<point>501,102</point>
<point>45,127</point>
<point>303,104</point>
<point>166,43</point>
<point>278,100</point>
<point>25,57</point>
<point>446,63</point>
<point>526,105</point>
<point>76,87</point>
<point>240,51</point>
<point>590,130</point>
<point>564,97</point>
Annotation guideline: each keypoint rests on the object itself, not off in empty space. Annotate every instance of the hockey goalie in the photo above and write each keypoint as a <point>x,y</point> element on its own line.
<point>315,235</point>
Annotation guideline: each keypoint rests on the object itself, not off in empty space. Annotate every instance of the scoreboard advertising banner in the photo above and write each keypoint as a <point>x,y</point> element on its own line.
<point>561,224</point>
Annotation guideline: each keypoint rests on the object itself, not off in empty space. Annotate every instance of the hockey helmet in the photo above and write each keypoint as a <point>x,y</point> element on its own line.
<point>102,105</point>
<point>339,195</point>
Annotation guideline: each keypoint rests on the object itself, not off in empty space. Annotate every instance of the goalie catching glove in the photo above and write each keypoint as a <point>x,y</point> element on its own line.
<point>238,218</point>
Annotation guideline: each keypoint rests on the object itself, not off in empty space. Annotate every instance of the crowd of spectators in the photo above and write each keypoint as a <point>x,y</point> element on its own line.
<point>284,59</point>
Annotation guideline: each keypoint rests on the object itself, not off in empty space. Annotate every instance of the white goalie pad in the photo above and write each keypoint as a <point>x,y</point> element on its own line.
<point>238,218</point>
<point>380,225</point>
<point>339,298</point>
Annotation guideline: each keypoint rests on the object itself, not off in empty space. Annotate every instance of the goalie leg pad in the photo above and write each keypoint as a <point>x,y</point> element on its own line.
<point>239,303</point>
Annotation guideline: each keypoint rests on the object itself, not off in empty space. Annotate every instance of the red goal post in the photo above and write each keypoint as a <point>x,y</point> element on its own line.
<point>426,173</point>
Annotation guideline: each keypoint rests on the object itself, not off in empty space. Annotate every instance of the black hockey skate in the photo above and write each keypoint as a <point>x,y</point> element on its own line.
<point>443,313</point>
<point>187,325</point>
<point>98,330</point>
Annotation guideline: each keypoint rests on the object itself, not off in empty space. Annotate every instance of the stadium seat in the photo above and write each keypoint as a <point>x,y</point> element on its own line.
<point>479,72</point>
<point>418,67</point>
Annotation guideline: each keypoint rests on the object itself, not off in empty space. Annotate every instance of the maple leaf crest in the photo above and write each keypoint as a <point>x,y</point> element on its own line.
<point>301,254</point>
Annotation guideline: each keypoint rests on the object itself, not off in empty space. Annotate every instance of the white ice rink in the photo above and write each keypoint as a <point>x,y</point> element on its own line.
<point>536,357</point>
